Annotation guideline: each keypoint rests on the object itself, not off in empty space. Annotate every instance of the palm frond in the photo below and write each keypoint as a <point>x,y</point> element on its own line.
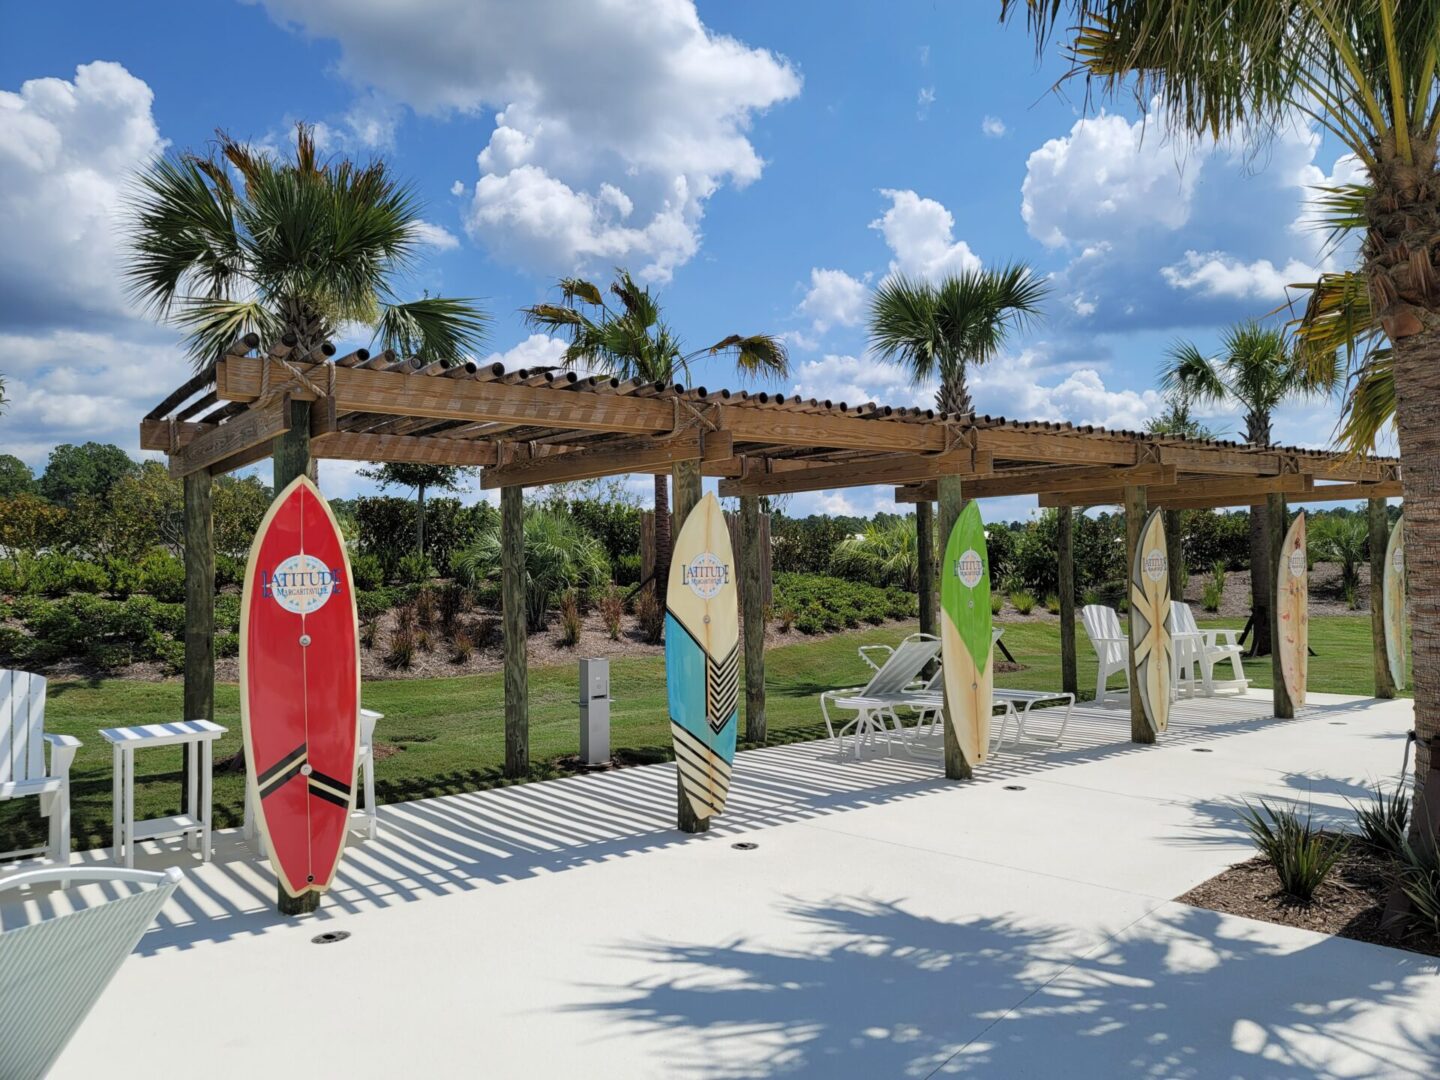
<point>1188,372</point>
<point>755,353</point>
<point>1370,405</point>
<point>443,328</point>
<point>213,323</point>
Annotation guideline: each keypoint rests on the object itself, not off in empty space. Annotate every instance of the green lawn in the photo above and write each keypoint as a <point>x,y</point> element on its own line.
<point>450,732</point>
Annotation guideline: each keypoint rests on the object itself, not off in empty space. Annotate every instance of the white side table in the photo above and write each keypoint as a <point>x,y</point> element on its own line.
<point>198,737</point>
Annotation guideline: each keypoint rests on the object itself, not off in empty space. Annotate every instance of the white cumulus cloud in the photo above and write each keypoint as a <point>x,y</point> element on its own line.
<point>834,299</point>
<point>614,124</point>
<point>992,127</point>
<point>1217,274</point>
<point>920,234</point>
<point>435,236</point>
<point>538,350</point>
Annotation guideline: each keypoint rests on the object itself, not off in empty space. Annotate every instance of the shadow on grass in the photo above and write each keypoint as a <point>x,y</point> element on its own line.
<point>877,990</point>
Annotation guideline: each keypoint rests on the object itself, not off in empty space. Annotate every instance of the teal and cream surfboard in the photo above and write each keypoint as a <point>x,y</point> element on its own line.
<point>965,643</point>
<point>1150,640</point>
<point>702,657</point>
<point>1396,632</point>
<point>1292,611</point>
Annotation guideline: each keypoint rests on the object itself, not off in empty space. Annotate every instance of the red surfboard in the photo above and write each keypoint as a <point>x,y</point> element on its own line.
<point>300,686</point>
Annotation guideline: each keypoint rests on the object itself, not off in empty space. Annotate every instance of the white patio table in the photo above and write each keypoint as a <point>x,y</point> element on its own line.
<point>198,737</point>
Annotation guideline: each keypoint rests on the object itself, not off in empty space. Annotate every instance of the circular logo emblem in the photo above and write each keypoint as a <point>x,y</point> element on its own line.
<point>1156,566</point>
<point>969,567</point>
<point>1398,560</point>
<point>301,584</point>
<point>706,575</point>
<point>1297,563</point>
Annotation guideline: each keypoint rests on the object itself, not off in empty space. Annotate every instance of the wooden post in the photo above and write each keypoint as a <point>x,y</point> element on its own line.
<point>685,482</point>
<point>1136,507</point>
<point>290,457</point>
<point>1065,554</point>
<point>512,603</point>
<point>1276,520</point>
<point>925,553</point>
<point>1379,538</point>
<point>952,501</point>
<point>199,546</point>
<point>752,596</point>
<point>1175,554</point>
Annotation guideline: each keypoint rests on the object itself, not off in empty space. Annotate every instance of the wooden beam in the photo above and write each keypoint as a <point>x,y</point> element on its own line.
<point>647,455</point>
<point>1218,491</point>
<point>399,394</point>
<point>253,428</point>
<point>1010,445</point>
<point>357,446</point>
<point>1386,489</point>
<point>155,434</point>
<point>890,470</point>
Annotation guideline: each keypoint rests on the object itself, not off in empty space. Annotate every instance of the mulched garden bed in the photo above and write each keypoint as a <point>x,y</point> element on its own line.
<point>1349,903</point>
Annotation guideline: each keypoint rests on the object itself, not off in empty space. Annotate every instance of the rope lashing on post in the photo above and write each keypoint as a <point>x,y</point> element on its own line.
<point>297,378</point>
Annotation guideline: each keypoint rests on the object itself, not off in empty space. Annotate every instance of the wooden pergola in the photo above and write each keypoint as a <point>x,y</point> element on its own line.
<point>542,426</point>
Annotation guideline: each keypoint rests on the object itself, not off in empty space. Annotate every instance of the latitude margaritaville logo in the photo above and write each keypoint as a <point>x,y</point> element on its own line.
<point>1297,563</point>
<point>969,568</point>
<point>1156,565</point>
<point>706,575</point>
<point>301,584</point>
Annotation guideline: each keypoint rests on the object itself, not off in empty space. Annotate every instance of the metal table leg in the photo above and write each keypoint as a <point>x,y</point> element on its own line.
<point>129,755</point>
<point>117,805</point>
<point>206,800</point>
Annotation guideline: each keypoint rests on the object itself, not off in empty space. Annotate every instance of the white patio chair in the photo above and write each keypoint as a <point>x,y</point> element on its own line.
<point>874,703</point>
<point>1112,647</point>
<point>54,970</point>
<point>1210,648</point>
<point>23,770</point>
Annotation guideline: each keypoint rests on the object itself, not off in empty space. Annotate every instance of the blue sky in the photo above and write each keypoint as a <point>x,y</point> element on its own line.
<point>764,165</point>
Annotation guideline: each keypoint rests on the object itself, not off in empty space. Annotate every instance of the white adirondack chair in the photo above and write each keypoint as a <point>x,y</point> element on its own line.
<point>23,770</point>
<point>891,685</point>
<point>1112,647</point>
<point>52,971</point>
<point>1208,648</point>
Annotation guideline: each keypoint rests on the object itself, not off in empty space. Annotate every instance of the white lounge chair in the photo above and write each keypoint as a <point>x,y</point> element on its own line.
<point>52,971</point>
<point>23,770</point>
<point>874,703</point>
<point>1207,649</point>
<point>1112,647</point>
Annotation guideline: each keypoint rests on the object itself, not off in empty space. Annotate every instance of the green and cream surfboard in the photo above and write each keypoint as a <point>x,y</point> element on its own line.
<point>1396,630</point>
<point>1292,611</point>
<point>1150,639</point>
<point>702,657</point>
<point>965,642</point>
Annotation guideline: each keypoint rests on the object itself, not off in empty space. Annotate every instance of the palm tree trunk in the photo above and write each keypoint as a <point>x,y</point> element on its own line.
<point>1257,432</point>
<point>1417,389</point>
<point>954,396</point>
<point>663,543</point>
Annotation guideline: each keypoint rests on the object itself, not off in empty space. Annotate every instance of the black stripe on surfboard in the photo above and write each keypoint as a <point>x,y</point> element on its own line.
<point>329,796</point>
<point>338,786</point>
<point>704,778</point>
<point>711,762</point>
<point>699,791</point>
<point>694,745</point>
<point>294,758</point>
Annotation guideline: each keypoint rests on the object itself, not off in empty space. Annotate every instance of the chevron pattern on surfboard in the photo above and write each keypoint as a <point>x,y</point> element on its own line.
<point>722,688</point>
<point>704,772</point>
<point>1149,626</point>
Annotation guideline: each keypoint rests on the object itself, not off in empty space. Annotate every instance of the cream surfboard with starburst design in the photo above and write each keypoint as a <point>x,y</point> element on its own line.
<point>702,657</point>
<point>1292,611</point>
<point>1150,621</point>
<point>1396,630</point>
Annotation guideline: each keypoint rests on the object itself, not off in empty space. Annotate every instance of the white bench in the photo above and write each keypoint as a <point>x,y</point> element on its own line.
<point>23,771</point>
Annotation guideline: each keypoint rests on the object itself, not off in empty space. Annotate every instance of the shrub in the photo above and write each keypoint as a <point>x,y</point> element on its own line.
<point>227,612</point>
<point>227,645</point>
<point>462,647</point>
<point>455,600</point>
<point>367,571</point>
<point>804,545</point>
<point>1420,879</point>
<point>104,633</point>
<point>1301,854</point>
<point>651,617</point>
<point>570,621</point>
<point>1091,597</point>
<point>1352,596</point>
<point>1217,575</point>
<point>829,603</point>
<point>426,609</point>
<point>786,618</point>
<point>374,603</point>
<point>885,552</point>
<point>612,608</point>
<point>414,569</point>
<point>1052,604</point>
<point>405,617</point>
<point>1210,595</point>
<point>627,569</point>
<point>487,632</point>
<point>369,630</point>
<point>401,653</point>
<point>997,602</point>
<point>229,571</point>
<point>1023,602</point>
<point>1383,821</point>
<point>424,640</point>
<point>157,573</point>
<point>54,574</point>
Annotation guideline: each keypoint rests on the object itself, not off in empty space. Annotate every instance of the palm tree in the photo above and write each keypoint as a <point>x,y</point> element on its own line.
<point>629,339</point>
<point>1177,420</point>
<point>938,330</point>
<point>1364,71</point>
<point>884,552</point>
<point>243,241</point>
<point>1256,371</point>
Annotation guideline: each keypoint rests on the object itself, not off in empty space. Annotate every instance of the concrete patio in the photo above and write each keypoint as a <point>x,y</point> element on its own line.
<point>888,923</point>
